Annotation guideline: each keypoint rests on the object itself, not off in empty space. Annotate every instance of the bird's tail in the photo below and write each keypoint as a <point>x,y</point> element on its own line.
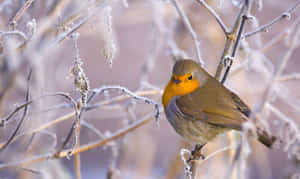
<point>265,138</point>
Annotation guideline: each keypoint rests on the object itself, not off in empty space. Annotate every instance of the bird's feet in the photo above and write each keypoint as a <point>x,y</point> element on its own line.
<point>196,153</point>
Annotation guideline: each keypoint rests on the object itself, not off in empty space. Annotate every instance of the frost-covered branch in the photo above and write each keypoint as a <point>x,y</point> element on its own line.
<point>190,29</point>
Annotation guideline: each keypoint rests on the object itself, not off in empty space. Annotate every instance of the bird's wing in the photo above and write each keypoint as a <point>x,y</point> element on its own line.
<point>241,106</point>
<point>214,107</point>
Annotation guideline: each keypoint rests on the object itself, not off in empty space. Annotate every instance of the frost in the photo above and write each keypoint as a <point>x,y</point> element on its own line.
<point>80,79</point>
<point>236,2</point>
<point>187,167</point>
<point>286,15</point>
<point>31,26</point>
<point>109,50</point>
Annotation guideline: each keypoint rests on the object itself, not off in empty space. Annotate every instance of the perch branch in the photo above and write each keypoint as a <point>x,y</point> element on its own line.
<point>232,42</point>
<point>231,45</point>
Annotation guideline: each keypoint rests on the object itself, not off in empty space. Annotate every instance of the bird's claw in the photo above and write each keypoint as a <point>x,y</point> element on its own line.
<point>196,154</point>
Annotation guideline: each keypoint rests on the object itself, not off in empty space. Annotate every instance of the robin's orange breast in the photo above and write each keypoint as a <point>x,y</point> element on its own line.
<point>184,86</point>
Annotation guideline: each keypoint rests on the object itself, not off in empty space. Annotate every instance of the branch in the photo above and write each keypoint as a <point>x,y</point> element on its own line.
<point>284,15</point>
<point>20,13</point>
<point>216,16</point>
<point>10,139</point>
<point>235,47</point>
<point>82,17</point>
<point>74,125</point>
<point>231,45</point>
<point>125,90</point>
<point>17,109</point>
<point>113,137</point>
<point>293,76</point>
<point>45,126</point>
<point>232,41</point>
<point>92,128</point>
<point>72,114</point>
<point>82,148</point>
<point>190,30</point>
<point>14,32</point>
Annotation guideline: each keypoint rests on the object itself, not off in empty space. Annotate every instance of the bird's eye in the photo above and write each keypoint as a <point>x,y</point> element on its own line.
<point>190,77</point>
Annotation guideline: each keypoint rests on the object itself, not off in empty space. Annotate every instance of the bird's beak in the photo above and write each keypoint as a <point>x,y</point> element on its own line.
<point>177,81</point>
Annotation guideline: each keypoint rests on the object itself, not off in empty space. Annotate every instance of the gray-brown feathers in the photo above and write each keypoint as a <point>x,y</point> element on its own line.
<point>183,67</point>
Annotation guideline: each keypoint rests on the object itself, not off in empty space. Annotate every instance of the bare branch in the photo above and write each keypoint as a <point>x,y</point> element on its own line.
<point>136,97</point>
<point>31,171</point>
<point>3,121</point>
<point>83,18</point>
<point>72,114</point>
<point>75,123</point>
<point>82,148</point>
<point>216,16</point>
<point>283,35</point>
<point>294,76</point>
<point>14,32</point>
<point>232,42</point>
<point>190,29</point>
<point>77,164</point>
<point>284,15</point>
<point>235,47</point>
<point>10,139</point>
<point>92,128</point>
<point>20,13</point>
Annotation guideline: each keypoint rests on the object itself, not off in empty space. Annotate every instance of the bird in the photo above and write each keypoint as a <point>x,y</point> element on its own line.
<point>200,108</point>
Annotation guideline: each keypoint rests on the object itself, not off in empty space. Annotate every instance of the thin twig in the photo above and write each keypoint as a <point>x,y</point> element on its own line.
<point>20,13</point>
<point>14,32</point>
<point>8,117</point>
<point>216,16</point>
<point>190,30</point>
<point>286,33</point>
<point>211,155</point>
<point>29,142</point>
<point>18,108</point>
<point>74,125</point>
<point>10,139</point>
<point>72,114</point>
<point>31,171</point>
<point>294,76</point>
<point>92,128</point>
<point>267,46</point>
<point>114,136</point>
<point>130,93</point>
<point>284,15</point>
<point>82,148</point>
<point>85,17</point>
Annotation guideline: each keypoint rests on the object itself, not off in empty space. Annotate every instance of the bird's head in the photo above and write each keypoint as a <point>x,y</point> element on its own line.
<point>187,76</point>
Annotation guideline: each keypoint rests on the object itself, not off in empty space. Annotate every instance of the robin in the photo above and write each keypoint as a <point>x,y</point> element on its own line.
<point>199,107</point>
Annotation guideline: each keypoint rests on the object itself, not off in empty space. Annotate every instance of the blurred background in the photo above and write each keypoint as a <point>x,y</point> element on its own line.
<point>132,43</point>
